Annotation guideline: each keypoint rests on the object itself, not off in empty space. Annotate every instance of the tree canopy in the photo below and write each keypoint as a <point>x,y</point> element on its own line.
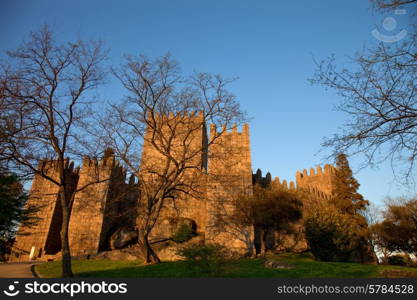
<point>378,94</point>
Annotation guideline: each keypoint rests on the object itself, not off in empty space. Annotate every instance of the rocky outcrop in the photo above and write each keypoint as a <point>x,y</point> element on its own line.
<point>123,237</point>
<point>168,228</point>
<point>130,253</point>
<point>168,250</point>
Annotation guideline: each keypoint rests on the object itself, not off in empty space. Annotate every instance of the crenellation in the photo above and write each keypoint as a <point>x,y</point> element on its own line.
<point>233,133</point>
<point>312,172</point>
<point>328,169</point>
<point>110,198</point>
<point>246,129</point>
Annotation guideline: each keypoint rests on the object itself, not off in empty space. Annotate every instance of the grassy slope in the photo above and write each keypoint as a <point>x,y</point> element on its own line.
<point>303,267</point>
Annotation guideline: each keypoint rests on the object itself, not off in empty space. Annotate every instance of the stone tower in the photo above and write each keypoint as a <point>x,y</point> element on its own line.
<point>186,136</point>
<point>221,170</point>
<point>98,208</point>
<point>229,177</point>
<point>43,238</point>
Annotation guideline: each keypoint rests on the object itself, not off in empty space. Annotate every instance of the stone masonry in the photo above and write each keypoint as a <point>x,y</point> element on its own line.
<point>223,172</point>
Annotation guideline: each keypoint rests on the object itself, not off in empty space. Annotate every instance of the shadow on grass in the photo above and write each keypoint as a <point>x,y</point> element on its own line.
<point>161,270</point>
<point>244,268</point>
<point>304,267</point>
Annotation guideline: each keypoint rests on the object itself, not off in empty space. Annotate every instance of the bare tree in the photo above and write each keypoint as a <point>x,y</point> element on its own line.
<point>379,96</point>
<point>391,4</point>
<point>268,210</point>
<point>45,98</point>
<point>158,132</point>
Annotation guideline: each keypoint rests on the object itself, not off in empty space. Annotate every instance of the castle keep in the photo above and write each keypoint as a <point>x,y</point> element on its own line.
<point>102,209</point>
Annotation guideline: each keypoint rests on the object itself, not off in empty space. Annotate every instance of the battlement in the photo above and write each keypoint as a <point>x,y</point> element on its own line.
<point>107,166</point>
<point>283,185</point>
<point>317,182</point>
<point>229,152</point>
<point>51,165</point>
<point>232,132</point>
<point>318,179</point>
<point>328,171</point>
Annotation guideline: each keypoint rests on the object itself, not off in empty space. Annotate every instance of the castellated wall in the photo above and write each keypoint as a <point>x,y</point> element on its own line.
<point>318,181</point>
<point>218,172</point>
<point>184,138</point>
<point>219,169</point>
<point>229,178</point>
<point>99,207</point>
<point>43,238</point>
<point>104,202</point>
<point>314,187</point>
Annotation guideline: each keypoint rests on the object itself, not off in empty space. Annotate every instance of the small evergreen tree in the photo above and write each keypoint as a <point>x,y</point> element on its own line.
<point>345,192</point>
<point>349,202</point>
<point>12,210</point>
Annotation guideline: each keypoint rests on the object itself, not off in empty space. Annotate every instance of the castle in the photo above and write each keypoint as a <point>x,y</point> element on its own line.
<point>222,171</point>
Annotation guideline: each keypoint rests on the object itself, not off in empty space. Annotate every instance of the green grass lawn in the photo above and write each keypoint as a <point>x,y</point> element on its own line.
<point>304,266</point>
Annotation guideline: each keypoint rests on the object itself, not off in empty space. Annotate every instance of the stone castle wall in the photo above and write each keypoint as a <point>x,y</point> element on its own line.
<point>229,177</point>
<point>43,238</point>
<point>219,171</point>
<point>318,180</point>
<point>184,137</point>
<point>97,209</point>
<point>313,187</point>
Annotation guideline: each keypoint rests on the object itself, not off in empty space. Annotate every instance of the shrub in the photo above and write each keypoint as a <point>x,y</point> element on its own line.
<point>183,233</point>
<point>207,259</point>
<point>330,235</point>
<point>396,260</point>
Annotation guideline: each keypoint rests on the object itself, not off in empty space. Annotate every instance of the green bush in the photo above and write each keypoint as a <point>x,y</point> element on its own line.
<point>183,233</point>
<point>330,235</point>
<point>207,259</point>
<point>396,260</point>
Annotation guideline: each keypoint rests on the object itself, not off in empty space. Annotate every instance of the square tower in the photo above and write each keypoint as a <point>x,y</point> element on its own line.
<point>43,237</point>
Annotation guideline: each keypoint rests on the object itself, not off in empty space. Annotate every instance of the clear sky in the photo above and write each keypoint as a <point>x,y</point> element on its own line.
<point>269,45</point>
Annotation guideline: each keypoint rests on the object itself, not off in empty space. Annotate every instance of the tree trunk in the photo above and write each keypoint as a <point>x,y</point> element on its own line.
<point>65,249</point>
<point>149,254</point>
<point>262,240</point>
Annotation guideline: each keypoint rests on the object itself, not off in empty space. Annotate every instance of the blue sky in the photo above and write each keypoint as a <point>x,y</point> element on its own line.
<point>269,45</point>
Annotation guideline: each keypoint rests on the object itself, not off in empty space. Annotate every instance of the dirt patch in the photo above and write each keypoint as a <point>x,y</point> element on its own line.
<point>398,274</point>
<point>273,264</point>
